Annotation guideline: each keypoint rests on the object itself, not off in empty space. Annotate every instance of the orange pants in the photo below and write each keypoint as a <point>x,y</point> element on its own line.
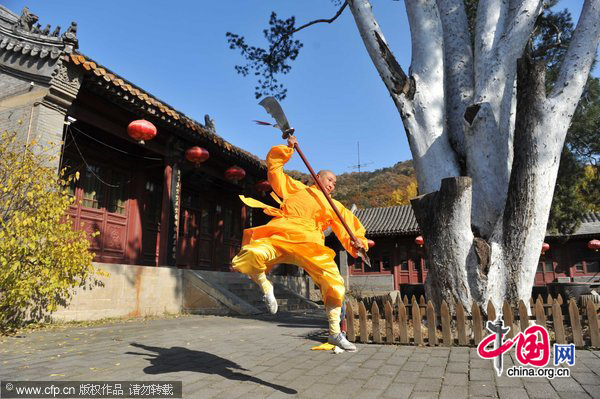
<point>259,256</point>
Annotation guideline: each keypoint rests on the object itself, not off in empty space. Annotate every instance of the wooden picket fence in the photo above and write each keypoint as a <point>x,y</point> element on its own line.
<point>417,323</point>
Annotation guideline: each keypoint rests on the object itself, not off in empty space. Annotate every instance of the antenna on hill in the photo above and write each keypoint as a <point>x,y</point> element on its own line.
<point>359,165</point>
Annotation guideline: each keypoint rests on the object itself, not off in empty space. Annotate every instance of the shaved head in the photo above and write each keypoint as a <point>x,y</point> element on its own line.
<point>327,179</point>
<point>325,171</point>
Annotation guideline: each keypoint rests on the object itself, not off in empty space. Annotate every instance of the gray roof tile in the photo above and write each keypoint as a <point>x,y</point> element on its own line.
<point>590,225</point>
<point>400,220</point>
<point>387,221</point>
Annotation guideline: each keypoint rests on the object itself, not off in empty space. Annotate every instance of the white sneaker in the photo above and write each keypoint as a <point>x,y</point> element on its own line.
<point>271,301</point>
<point>340,341</point>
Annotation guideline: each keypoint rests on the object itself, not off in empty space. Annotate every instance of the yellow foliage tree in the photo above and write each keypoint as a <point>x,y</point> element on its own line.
<point>402,196</point>
<point>590,187</point>
<point>42,258</point>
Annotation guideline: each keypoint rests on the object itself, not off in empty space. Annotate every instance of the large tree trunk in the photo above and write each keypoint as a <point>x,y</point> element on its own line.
<point>483,230</point>
<point>517,240</point>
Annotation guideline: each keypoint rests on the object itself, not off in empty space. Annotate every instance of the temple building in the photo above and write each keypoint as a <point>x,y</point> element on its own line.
<point>167,208</point>
<point>151,205</point>
<point>399,257</point>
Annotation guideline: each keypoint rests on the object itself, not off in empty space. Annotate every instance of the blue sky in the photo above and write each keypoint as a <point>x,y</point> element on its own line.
<point>179,53</point>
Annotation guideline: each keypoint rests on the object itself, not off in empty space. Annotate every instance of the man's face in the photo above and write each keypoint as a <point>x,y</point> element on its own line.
<point>328,181</point>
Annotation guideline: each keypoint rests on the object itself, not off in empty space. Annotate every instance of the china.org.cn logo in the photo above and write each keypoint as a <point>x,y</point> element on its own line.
<point>532,348</point>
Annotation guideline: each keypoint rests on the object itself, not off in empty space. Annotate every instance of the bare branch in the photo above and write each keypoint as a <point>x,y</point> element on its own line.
<point>578,60</point>
<point>420,97</point>
<point>519,29</point>
<point>489,27</point>
<point>316,21</point>
<point>403,85</point>
<point>427,38</point>
<point>458,68</point>
<point>388,68</point>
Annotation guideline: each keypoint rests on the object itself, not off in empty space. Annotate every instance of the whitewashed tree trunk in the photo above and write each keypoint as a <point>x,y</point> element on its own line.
<point>486,145</point>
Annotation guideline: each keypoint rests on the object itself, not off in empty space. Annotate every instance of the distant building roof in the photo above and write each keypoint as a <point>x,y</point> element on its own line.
<point>400,220</point>
<point>590,225</point>
<point>393,220</point>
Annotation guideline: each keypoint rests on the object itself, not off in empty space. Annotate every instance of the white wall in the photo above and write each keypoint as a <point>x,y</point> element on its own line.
<point>129,291</point>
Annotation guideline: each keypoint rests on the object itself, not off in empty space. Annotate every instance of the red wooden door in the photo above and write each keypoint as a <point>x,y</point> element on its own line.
<point>151,205</point>
<point>196,229</point>
<point>206,226</point>
<point>227,235</point>
<point>102,205</point>
<point>187,251</point>
<point>402,272</point>
<point>188,244</point>
<point>545,271</point>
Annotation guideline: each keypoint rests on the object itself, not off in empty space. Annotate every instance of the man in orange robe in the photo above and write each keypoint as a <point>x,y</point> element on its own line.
<point>295,235</point>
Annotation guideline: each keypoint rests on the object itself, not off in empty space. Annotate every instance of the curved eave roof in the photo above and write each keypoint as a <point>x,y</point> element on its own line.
<point>590,226</point>
<point>159,109</point>
<point>394,220</point>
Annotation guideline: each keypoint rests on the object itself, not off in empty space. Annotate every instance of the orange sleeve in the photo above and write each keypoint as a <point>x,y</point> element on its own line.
<point>282,184</point>
<point>354,224</point>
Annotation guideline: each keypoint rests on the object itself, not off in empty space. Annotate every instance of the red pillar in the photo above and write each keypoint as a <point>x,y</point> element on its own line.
<point>165,215</point>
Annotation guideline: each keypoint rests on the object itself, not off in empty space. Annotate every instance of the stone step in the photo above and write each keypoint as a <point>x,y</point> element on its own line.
<point>280,301</point>
<point>283,307</point>
<point>241,286</point>
<point>255,291</point>
<point>246,290</point>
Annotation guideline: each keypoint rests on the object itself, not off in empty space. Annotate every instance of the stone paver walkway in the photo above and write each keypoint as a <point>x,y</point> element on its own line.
<point>270,357</point>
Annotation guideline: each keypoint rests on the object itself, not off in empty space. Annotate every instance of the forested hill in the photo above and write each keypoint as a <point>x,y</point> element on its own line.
<point>390,186</point>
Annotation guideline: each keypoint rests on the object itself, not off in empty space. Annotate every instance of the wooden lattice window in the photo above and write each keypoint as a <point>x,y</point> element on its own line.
<point>117,193</point>
<point>93,189</point>
<point>153,209</point>
<point>205,225</point>
<point>592,266</point>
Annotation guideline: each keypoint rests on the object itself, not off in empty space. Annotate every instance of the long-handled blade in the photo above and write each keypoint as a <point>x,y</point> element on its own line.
<point>362,253</point>
<point>274,109</point>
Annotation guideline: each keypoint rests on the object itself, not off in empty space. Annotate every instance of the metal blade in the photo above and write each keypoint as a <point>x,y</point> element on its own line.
<point>274,109</point>
<point>363,255</point>
<point>262,123</point>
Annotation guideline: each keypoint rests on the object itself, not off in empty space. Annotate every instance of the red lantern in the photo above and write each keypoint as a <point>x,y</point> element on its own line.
<point>545,247</point>
<point>235,173</point>
<point>196,155</point>
<point>371,243</point>
<point>594,245</point>
<point>419,241</point>
<point>263,186</point>
<point>141,130</point>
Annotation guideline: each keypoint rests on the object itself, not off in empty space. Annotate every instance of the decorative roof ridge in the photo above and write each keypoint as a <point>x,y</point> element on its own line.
<point>23,28</point>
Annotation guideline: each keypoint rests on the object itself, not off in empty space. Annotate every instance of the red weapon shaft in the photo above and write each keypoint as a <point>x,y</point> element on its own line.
<point>314,175</point>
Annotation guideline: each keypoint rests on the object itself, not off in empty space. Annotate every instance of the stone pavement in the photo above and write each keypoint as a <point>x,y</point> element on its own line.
<point>270,357</point>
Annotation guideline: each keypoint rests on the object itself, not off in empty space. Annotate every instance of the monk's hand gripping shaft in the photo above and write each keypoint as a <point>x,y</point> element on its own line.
<point>274,109</point>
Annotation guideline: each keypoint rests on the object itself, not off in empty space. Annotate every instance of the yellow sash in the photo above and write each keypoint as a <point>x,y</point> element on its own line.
<point>269,210</point>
